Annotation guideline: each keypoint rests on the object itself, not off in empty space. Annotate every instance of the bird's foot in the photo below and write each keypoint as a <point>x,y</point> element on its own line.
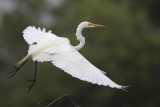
<point>31,85</point>
<point>12,73</point>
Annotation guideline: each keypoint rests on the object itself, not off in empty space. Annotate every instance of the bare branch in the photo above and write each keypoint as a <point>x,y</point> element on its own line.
<point>66,96</point>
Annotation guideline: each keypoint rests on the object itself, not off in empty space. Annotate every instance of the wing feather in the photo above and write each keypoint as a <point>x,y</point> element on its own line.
<point>36,37</point>
<point>73,63</point>
<point>33,35</point>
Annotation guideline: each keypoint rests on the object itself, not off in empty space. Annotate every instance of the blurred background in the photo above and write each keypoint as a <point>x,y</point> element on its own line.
<point>128,49</point>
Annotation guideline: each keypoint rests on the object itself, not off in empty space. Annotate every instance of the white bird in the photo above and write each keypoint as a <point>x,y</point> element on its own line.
<point>46,46</point>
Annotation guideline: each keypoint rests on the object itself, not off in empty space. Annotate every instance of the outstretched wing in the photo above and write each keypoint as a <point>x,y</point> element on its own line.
<point>36,37</point>
<point>33,35</point>
<point>73,63</point>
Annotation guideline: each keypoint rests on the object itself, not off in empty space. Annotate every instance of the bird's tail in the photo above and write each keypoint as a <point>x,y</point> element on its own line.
<point>24,59</point>
<point>36,52</point>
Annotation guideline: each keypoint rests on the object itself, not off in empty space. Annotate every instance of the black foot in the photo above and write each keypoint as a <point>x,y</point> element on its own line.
<point>13,72</point>
<point>31,85</point>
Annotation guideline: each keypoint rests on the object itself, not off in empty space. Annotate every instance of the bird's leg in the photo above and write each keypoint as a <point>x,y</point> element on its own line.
<point>34,79</point>
<point>17,68</point>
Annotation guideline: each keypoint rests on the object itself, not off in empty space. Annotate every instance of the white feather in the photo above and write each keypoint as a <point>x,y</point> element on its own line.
<point>65,57</point>
<point>73,63</point>
<point>33,35</point>
<point>46,46</point>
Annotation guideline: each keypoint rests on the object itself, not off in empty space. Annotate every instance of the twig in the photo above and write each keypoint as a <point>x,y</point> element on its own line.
<point>56,100</point>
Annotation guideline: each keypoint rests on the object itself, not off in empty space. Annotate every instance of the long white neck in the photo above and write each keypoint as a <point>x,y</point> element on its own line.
<point>80,37</point>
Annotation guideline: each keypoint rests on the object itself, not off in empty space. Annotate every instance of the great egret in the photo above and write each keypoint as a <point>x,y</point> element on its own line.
<point>46,46</point>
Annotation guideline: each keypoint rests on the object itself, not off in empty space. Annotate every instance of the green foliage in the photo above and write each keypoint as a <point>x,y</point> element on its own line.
<point>127,49</point>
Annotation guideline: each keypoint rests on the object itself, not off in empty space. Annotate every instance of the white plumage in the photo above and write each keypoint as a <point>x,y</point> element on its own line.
<point>46,46</point>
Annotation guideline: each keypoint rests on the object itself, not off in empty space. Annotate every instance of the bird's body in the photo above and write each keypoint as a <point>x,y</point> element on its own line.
<point>46,46</point>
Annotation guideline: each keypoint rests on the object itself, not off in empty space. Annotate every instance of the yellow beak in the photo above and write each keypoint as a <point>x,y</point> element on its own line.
<point>97,25</point>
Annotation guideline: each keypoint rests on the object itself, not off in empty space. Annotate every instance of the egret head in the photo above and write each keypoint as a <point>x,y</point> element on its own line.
<point>86,24</point>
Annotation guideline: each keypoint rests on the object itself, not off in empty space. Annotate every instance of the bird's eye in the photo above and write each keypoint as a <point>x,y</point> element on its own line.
<point>89,24</point>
